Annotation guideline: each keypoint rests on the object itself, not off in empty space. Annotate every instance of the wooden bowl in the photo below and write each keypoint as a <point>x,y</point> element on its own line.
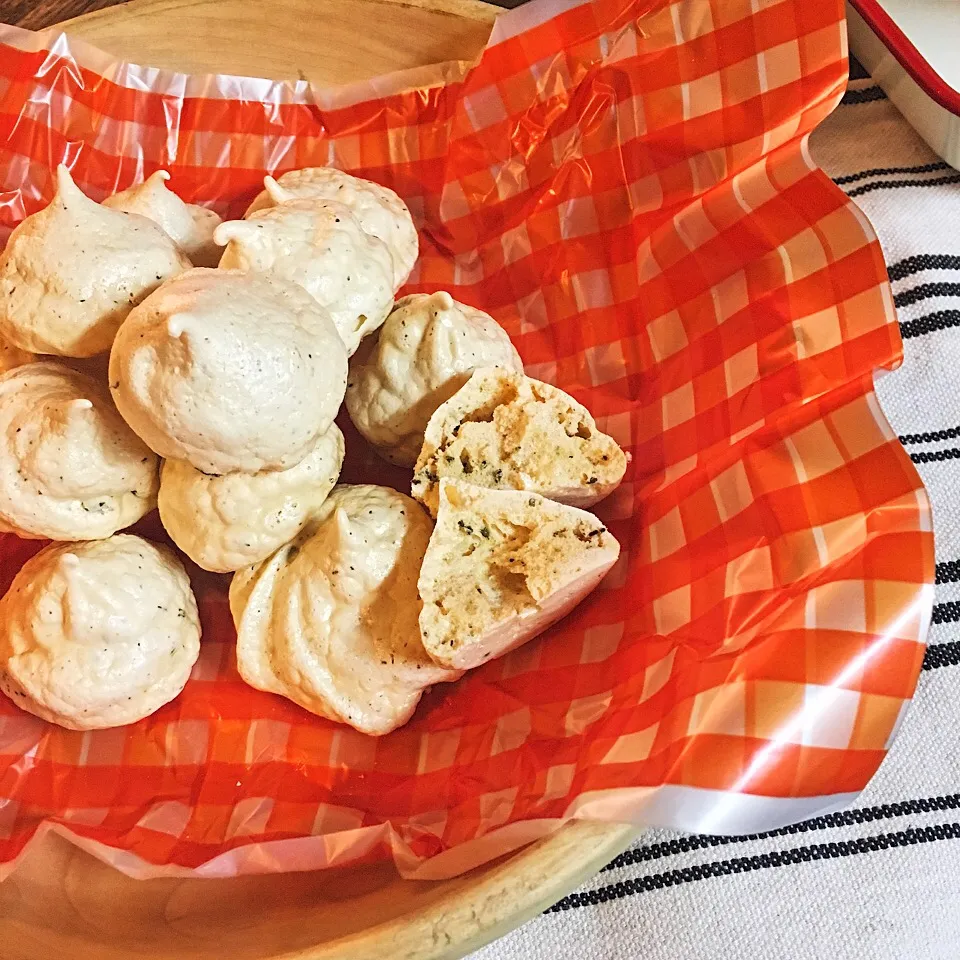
<point>61,902</point>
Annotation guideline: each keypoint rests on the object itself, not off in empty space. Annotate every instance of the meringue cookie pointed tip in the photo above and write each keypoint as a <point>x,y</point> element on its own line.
<point>74,411</point>
<point>342,520</point>
<point>157,180</point>
<point>177,325</point>
<point>227,231</point>
<point>67,188</point>
<point>276,191</point>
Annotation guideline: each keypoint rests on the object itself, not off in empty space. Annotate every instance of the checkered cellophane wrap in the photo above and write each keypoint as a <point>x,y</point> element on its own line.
<point>625,186</point>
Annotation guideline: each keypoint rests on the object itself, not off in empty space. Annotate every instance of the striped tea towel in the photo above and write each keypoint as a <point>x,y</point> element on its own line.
<point>880,881</point>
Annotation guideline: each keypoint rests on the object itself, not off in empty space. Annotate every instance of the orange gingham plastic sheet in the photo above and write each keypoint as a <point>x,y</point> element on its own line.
<point>626,186</point>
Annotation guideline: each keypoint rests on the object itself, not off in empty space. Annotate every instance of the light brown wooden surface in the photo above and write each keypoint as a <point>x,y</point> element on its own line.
<point>324,41</point>
<point>61,904</point>
<point>38,14</point>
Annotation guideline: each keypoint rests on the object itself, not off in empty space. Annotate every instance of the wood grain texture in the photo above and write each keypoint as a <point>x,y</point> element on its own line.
<point>61,902</point>
<point>315,40</point>
<point>39,14</point>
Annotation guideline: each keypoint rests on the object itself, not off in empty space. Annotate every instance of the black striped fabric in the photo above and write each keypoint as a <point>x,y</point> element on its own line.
<point>923,261</point>
<point>870,95</point>
<point>949,570</point>
<point>929,323</point>
<point>843,818</point>
<point>942,655</point>
<point>936,173</point>
<point>930,437</point>
<point>763,861</point>
<point>897,184</point>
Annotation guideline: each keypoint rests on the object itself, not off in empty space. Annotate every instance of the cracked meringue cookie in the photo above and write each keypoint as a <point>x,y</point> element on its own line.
<point>98,634</point>
<point>70,468</point>
<point>501,567</point>
<point>510,432</point>
<point>230,371</point>
<point>426,351</point>
<point>331,620</point>
<point>379,210</point>
<point>235,520</point>
<point>189,225</point>
<point>321,246</point>
<point>71,273</point>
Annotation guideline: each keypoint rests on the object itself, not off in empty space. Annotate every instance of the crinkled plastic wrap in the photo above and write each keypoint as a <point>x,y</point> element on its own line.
<point>625,185</point>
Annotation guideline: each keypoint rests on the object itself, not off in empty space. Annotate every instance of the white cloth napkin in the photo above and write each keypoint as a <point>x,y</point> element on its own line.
<point>880,881</point>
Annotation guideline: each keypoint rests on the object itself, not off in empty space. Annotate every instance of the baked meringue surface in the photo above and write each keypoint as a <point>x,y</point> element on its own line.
<point>189,225</point>
<point>230,371</point>
<point>98,634</point>
<point>320,245</point>
<point>501,567</point>
<point>331,620</point>
<point>510,432</point>
<point>425,352</point>
<point>71,273</point>
<point>231,521</point>
<point>70,468</point>
<point>378,209</point>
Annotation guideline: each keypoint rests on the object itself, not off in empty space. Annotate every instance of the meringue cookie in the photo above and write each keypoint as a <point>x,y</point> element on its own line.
<point>98,634</point>
<point>229,371</point>
<point>330,621</point>
<point>70,468</point>
<point>71,273</point>
<point>511,432</point>
<point>238,519</point>
<point>380,211</point>
<point>320,245</point>
<point>426,351</point>
<point>501,567</point>
<point>189,225</point>
<point>12,357</point>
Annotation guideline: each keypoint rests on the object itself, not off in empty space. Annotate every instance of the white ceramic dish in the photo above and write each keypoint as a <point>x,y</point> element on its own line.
<point>912,49</point>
